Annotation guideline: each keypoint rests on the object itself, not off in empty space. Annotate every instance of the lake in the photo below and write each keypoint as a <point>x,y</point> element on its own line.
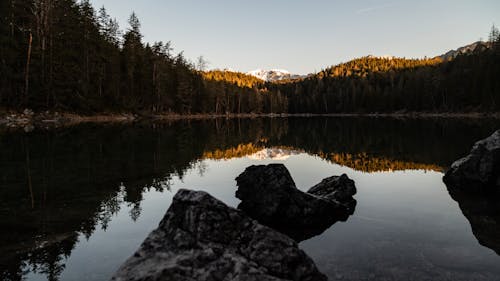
<point>76,202</point>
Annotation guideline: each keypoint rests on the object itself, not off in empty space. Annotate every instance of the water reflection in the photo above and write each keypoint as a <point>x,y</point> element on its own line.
<point>482,210</point>
<point>60,187</point>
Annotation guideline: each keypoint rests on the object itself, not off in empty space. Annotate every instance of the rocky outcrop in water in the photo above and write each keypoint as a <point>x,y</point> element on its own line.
<point>474,182</point>
<point>338,189</point>
<point>269,195</point>
<point>478,170</point>
<point>200,238</point>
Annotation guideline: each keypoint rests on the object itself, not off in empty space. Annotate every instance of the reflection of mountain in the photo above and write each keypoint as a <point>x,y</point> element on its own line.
<point>360,161</point>
<point>256,151</point>
<point>64,183</point>
<point>483,213</point>
<point>273,153</point>
<point>370,144</point>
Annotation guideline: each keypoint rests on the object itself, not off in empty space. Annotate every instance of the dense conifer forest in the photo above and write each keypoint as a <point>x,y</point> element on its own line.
<point>467,83</point>
<point>65,55</point>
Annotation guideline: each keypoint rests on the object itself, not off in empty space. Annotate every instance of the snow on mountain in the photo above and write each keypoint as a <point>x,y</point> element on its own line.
<point>386,57</point>
<point>478,46</point>
<point>273,74</point>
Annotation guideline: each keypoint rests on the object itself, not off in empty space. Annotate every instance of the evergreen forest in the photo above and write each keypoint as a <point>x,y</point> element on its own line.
<point>65,55</point>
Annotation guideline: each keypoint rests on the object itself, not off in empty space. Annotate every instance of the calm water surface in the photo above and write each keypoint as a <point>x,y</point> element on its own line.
<point>76,202</point>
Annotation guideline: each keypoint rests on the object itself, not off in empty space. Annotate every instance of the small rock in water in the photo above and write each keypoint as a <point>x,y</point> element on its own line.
<point>269,195</point>
<point>200,238</point>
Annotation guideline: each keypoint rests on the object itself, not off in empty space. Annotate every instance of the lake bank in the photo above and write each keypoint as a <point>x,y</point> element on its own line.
<point>29,119</point>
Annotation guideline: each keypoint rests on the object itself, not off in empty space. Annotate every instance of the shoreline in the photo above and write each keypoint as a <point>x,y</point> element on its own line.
<point>29,120</point>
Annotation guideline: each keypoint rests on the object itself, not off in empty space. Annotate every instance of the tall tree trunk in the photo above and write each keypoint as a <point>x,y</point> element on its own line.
<point>42,11</point>
<point>27,70</point>
<point>216,103</point>
<point>51,73</point>
<point>239,103</point>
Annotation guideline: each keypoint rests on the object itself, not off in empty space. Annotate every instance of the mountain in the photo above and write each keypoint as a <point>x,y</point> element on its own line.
<point>274,75</point>
<point>478,46</point>
<point>387,57</point>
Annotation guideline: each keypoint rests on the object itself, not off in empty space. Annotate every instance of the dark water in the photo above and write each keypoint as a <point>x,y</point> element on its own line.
<point>75,203</point>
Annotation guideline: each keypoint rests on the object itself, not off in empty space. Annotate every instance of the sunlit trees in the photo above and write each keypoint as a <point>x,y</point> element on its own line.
<point>387,85</point>
<point>62,55</point>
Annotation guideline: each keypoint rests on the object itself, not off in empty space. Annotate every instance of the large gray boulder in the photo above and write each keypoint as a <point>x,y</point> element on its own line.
<point>474,182</point>
<point>200,238</point>
<point>480,170</point>
<point>269,195</point>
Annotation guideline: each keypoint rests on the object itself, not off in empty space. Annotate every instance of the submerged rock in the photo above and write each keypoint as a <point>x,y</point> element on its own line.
<point>269,195</point>
<point>480,169</point>
<point>200,238</point>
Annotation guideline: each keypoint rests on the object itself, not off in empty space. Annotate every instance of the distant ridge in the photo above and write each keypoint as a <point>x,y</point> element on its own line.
<point>478,46</point>
<point>274,75</point>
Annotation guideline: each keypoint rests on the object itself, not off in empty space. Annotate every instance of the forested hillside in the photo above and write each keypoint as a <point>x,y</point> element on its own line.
<point>366,85</point>
<point>64,55</point>
<point>235,92</point>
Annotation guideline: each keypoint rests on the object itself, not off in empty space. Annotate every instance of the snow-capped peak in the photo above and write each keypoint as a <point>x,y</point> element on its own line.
<point>273,74</point>
<point>386,57</point>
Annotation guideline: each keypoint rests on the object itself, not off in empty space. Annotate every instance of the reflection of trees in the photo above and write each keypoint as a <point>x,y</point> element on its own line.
<point>424,141</point>
<point>75,172</point>
<point>240,150</point>
<point>50,260</point>
<point>370,145</point>
<point>368,163</point>
<point>44,259</point>
<point>110,207</point>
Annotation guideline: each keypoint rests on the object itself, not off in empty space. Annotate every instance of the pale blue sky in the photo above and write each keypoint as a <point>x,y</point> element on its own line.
<point>306,36</point>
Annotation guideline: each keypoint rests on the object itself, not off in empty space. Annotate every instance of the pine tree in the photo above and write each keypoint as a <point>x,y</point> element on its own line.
<point>494,35</point>
<point>132,49</point>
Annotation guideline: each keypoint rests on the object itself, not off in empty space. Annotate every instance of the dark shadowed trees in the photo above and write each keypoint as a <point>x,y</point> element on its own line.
<point>63,55</point>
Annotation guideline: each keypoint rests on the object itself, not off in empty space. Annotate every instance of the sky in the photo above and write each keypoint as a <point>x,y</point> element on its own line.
<point>305,36</point>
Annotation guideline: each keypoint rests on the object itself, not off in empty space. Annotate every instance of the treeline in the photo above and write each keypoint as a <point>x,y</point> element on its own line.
<point>63,55</point>
<point>385,85</point>
<point>235,92</point>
